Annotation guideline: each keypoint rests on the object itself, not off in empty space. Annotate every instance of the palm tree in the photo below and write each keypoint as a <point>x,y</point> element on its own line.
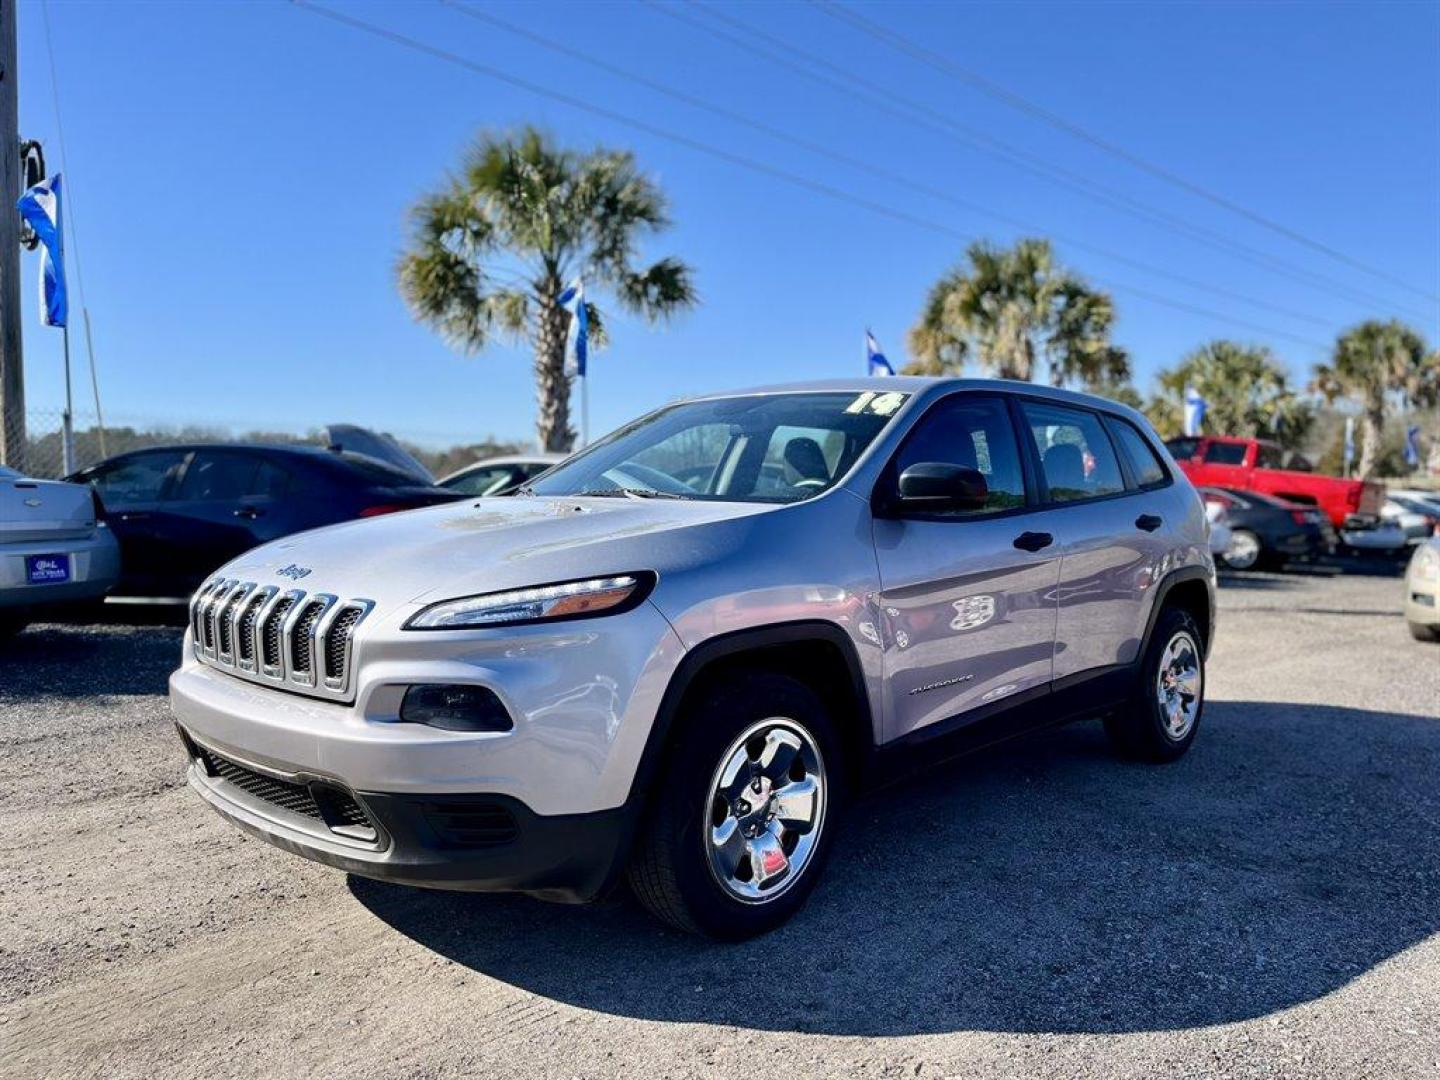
<point>493,249</point>
<point>1246,389</point>
<point>1374,363</point>
<point>1012,307</point>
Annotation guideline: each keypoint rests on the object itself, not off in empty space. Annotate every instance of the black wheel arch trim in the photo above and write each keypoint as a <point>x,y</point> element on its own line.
<point>722,646</point>
<point>1167,583</point>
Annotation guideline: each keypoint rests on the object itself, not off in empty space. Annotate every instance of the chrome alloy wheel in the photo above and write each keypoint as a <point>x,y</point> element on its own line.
<point>765,810</point>
<point>1179,685</point>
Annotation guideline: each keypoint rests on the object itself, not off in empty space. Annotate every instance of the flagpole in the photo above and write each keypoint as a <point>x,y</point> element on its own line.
<point>584,410</point>
<point>67,445</point>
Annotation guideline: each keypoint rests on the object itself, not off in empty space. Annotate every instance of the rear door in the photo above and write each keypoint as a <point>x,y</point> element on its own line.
<point>1113,538</point>
<point>967,598</point>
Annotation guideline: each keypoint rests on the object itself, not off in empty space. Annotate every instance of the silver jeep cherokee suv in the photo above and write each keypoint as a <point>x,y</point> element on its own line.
<point>676,655</point>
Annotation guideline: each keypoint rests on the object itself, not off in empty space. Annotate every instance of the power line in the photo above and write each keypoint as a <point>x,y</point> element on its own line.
<point>740,160</point>
<point>889,175</point>
<point>973,79</point>
<point>782,53</point>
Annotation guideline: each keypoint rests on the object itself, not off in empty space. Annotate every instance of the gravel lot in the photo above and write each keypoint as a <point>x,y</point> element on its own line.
<point>1267,907</point>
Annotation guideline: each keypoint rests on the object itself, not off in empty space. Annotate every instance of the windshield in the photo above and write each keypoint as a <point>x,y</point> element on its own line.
<point>773,448</point>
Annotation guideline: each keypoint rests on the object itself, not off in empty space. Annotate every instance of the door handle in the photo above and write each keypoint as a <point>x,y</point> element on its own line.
<point>1033,541</point>
<point>1148,522</point>
<point>249,513</point>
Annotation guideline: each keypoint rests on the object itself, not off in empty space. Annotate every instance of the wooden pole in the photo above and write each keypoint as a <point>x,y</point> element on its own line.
<point>12,363</point>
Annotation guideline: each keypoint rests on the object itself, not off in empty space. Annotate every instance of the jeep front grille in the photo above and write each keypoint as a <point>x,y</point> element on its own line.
<point>290,639</point>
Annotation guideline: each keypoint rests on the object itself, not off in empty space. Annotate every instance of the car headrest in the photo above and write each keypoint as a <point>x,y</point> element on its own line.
<point>804,460</point>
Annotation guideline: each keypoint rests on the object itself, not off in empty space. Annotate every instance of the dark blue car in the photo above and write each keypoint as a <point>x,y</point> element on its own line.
<point>181,511</point>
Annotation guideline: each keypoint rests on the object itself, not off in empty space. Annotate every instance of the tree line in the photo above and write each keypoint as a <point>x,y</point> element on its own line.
<point>492,249</point>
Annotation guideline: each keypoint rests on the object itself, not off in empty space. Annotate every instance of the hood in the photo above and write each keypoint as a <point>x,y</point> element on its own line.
<point>486,545</point>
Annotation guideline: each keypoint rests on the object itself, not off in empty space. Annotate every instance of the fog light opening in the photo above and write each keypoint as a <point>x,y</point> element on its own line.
<point>455,707</point>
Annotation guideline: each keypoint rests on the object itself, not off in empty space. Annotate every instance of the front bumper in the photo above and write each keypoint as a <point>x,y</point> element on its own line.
<point>1422,601</point>
<point>487,843</point>
<point>540,808</point>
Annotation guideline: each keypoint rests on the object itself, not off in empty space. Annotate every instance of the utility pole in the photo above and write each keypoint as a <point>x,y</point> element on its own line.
<point>12,363</point>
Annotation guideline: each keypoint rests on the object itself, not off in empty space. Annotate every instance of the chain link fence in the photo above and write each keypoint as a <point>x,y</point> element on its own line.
<point>44,442</point>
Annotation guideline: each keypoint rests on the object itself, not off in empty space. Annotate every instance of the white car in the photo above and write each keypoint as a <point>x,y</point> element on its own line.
<point>1387,537</point>
<point>1414,523</point>
<point>1422,591</point>
<point>1219,527</point>
<point>499,475</point>
<point>53,548</point>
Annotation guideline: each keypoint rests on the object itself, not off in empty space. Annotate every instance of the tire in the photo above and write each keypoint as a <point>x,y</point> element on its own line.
<point>1422,632</point>
<point>681,870</point>
<point>1146,730</point>
<point>1245,551</point>
<point>10,625</point>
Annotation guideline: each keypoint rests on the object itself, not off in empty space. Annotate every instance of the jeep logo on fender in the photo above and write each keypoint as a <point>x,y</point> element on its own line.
<point>293,572</point>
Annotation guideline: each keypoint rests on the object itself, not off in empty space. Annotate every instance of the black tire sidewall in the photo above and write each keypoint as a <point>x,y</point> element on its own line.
<point>722,713</point>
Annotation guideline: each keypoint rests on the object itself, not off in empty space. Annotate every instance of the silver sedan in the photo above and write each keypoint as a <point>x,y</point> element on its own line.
<point>54,549</point>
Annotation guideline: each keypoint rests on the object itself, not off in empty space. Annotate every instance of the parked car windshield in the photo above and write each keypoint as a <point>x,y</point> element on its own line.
<point>776,448</point>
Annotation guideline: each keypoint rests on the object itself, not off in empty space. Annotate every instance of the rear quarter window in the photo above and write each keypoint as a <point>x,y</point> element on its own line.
<point>1145,466</point>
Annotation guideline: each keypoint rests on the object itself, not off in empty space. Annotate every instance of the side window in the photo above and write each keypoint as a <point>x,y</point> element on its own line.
<point>1223,453</point>
<point>139,479</point>
<point>1144,465</point>
<point>217,476</point>
<point>1182,449</point>
<point>270,480</point>
<point>1270,456</point>
<point>974,432</point>
<point>1075,453</point>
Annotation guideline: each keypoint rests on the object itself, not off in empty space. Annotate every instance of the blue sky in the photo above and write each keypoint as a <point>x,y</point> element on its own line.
<point>240,175</point>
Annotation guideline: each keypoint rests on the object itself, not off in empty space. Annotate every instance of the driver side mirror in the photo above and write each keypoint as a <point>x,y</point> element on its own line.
<point>935,487</point>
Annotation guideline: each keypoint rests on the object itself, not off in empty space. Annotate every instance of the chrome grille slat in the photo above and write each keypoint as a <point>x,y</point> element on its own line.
<point>294,640</point>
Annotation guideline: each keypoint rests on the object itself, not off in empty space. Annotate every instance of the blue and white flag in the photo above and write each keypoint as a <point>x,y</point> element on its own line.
<point>1412,445</point>
<point>1349,442</point>
<point>875,358</point>
<point>1195,407</point>
<point>40,207</point>
<point>577,337</point>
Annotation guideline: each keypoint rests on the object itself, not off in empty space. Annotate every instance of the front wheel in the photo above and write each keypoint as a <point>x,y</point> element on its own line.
<point>1163,714</point>
<point>1422,632</point>
<point>734,838</point>
<point>10,625</point>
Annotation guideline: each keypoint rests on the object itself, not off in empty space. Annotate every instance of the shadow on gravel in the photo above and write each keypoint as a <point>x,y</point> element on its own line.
<point>1046,887</point>
<point>62,660</point>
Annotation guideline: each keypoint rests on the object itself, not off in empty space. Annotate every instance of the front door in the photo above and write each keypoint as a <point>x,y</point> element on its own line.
<point>967,597</point>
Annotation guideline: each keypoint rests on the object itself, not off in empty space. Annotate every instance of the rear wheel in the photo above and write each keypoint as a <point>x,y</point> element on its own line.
<point>1244,551</point>
<point>1163,715</point>
<point>734,838</point>
<point>10,625</point>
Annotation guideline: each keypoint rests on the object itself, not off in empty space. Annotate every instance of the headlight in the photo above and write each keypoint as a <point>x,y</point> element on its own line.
<point>1427,562</point>
<point>566,600</point>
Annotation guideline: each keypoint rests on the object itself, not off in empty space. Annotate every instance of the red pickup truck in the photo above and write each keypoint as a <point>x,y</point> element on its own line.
<point>1257,465</point>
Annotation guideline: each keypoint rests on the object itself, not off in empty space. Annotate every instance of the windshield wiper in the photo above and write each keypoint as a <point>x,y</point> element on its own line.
<point>632,493</point>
